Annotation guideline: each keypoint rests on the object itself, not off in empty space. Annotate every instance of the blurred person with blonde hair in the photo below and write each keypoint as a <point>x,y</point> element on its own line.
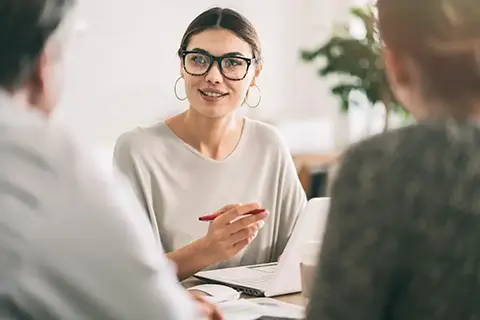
<point>73,242</point>
<point>403,233</point>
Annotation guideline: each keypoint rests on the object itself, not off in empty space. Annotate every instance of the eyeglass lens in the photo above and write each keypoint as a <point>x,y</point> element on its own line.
<point>231,67</point>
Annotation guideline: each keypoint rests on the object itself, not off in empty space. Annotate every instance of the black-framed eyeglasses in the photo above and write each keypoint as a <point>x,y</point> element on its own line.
<point>232,67</point>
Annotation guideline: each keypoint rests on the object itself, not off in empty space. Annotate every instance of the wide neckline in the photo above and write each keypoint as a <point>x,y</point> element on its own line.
<point>236,150</point>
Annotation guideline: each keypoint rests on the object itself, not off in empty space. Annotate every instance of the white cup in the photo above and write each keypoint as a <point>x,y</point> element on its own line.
<point>308,266</point>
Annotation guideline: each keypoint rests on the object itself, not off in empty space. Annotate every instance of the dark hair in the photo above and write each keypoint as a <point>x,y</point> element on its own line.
<point>443,37</point>
<point>223,18</point>
<point>25,28</point>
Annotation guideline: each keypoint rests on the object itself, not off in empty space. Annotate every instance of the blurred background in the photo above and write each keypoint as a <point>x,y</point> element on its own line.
<point>130,47</point>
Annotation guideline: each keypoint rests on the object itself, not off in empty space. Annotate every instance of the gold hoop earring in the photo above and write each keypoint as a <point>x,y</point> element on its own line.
<point>175,90</point>
<point>259,98</point>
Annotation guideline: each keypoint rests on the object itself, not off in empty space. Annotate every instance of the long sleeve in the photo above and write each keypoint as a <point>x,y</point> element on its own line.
<point>359,259</point>
<point>292,199</point>
<point>127,161</point>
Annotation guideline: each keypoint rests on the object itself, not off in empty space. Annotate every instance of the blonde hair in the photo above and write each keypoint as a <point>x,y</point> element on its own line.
<point>443,36</point>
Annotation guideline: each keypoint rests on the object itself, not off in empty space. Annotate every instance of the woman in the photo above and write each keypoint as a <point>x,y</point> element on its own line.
<point>404,225</point>
<point>210,157</point>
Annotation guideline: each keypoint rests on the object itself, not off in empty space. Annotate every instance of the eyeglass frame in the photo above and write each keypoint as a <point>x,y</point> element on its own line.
<point>217,59</point>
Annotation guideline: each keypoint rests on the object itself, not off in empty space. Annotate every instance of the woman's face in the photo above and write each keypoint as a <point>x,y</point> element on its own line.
<point>215,94</point>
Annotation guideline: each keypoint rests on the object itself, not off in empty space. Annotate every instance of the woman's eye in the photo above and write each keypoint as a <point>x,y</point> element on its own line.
<point>198,59</point>
<point>232,62</point>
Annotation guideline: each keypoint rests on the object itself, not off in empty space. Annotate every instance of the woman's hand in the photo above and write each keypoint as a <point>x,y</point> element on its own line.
<point>230,232</point>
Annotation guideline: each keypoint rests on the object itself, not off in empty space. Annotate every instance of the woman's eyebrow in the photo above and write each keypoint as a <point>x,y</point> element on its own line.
<point>235,53</point>
<point>200,50</point>
<point>229,54</point>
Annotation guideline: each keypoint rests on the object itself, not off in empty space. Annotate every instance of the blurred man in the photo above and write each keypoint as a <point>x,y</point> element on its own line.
<point>72,242</point>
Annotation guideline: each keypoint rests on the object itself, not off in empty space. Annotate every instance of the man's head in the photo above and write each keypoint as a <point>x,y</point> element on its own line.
<point>31,37</point>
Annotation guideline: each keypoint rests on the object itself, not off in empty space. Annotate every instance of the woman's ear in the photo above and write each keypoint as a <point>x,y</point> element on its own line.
<point>181,69</point>
<point>258,70</point>
<point>396,68</point>
<point>404,79</point>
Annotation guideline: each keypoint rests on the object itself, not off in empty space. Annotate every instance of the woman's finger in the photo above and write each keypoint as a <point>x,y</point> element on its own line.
<point>246,233</point>
<point>233,213</point>
<point>247,221</point>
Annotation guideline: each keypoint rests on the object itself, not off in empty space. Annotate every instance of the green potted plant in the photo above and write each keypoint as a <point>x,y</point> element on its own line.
<point>360,59</point>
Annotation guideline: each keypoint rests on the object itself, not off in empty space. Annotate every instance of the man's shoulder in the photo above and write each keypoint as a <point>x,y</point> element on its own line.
<point>41,159</point>
<point>30,144</point>
<point>40,145</point>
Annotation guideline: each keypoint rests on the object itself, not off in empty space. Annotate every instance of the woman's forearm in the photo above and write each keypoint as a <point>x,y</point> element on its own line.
<point>191,259</point>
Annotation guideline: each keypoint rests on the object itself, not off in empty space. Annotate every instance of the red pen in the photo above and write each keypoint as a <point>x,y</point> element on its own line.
<point>213,216</point>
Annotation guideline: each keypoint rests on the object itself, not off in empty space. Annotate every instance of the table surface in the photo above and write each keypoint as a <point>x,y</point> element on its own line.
<point>296,298</point>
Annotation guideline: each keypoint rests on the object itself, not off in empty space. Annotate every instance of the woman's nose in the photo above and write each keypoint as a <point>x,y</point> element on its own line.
<point>214,75</point>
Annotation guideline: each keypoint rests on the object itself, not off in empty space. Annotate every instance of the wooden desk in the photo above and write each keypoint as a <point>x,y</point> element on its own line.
<point>307,164</point>
<point>315,159</point>
<point>296,299</point>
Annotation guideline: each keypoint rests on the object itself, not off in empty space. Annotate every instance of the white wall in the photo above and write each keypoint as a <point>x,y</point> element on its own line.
<point>121,70</point>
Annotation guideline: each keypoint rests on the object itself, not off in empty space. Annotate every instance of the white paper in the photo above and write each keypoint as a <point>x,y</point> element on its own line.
<point>276,308</point>
<point>216,300</point>
<point>253,309</point>
<point>240,310</point>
